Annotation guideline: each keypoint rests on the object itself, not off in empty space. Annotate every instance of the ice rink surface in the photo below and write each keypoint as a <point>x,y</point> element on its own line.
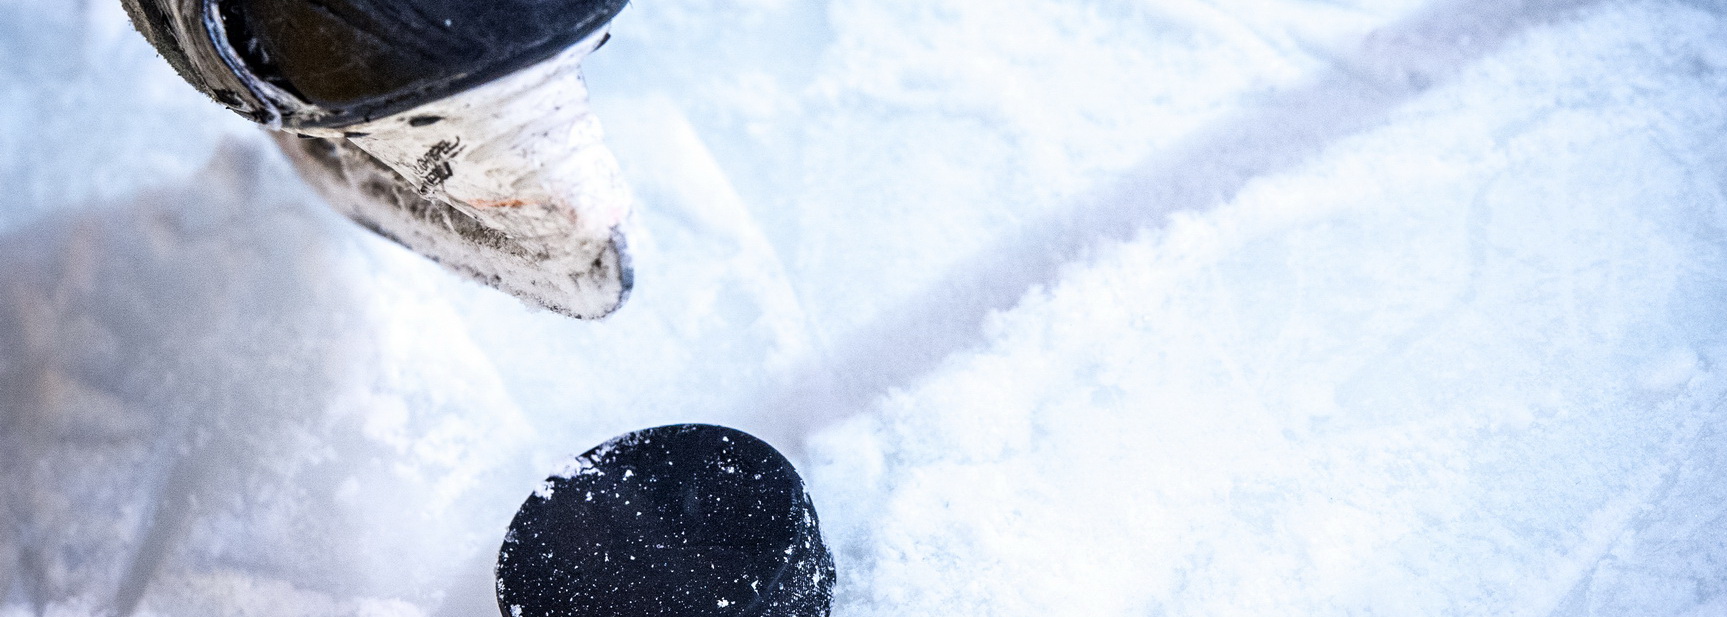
<point>1064,307</point>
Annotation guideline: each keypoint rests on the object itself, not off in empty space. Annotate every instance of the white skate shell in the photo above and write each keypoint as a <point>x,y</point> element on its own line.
<point>508,183</point>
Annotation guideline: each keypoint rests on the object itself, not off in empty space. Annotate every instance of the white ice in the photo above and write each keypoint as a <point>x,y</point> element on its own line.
<point>1063,307</point>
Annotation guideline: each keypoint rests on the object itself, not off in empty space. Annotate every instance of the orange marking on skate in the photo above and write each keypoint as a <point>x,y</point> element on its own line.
<point>501,203</point>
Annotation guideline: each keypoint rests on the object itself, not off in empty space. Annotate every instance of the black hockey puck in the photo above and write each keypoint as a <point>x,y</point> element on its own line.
<point>680,520</point>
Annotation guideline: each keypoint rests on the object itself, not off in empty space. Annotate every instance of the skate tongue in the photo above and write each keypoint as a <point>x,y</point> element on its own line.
<point>509,183</point>
<point>668,522</point>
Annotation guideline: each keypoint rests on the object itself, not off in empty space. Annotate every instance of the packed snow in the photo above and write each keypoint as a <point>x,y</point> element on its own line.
<point>1062,307</point>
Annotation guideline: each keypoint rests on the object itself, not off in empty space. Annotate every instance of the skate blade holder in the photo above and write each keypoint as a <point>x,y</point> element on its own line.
<point>510,183</point>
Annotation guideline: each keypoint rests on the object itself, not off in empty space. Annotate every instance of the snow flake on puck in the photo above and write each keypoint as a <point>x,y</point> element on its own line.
<point>729,530</point>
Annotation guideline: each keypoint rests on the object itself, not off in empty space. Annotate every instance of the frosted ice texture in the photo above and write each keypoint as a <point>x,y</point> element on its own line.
<point>1074,308</point>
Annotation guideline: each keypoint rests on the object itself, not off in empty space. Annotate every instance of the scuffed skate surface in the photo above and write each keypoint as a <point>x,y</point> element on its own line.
<point>531,251</point>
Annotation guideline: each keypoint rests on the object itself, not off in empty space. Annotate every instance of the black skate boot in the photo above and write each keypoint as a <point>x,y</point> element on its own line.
<point>458,128</point>
<point>676,521</point>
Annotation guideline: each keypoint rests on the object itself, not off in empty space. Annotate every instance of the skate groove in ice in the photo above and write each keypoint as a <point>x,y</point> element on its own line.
<point>1439,392</point>
<point>1390,66</point>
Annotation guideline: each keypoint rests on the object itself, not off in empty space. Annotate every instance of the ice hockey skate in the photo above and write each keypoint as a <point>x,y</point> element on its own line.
<point>674,521</point>
<point>458,129</point>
